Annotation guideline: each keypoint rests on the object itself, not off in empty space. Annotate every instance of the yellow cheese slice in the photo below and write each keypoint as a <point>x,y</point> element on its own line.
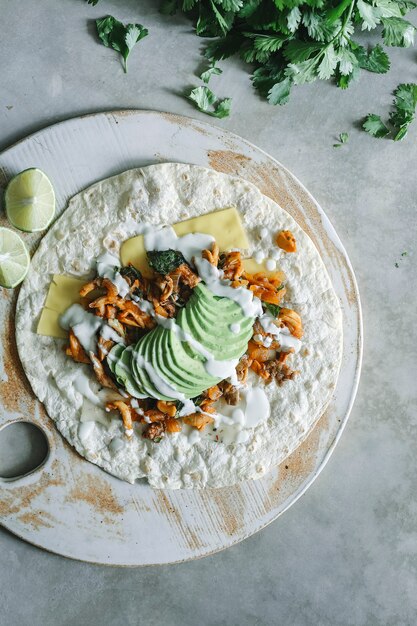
<point>224,225</point>
<point>63,291</point>
<point>49,324</point>
<point>252,267</point>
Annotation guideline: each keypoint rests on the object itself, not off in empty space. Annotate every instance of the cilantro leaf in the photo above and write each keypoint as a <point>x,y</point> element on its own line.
<point>398,32</point>
<point>298,40</point>
<point>204,99</point>
<point>404,109</point>
<point>375,126</point>
<point>371,15</point>
<point>280,92</point>
<point>209,72</point>
<point>274,309</point>
<point>373,60</point>
<point>121,38</point>
<point>343,138</point>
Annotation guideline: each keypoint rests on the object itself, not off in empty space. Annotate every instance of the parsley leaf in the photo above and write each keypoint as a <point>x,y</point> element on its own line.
<point>207,102</point>
<point>121,38</point>
<point>375,126</point>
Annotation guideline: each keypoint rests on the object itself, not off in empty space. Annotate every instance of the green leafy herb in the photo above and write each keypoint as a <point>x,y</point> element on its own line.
<point>209,72</point>
<point>131,273</point>
<point>375,126</point>
<point>207,102</point>
<point>400,118</point>
<point>120,37</point>
<point>403,253</point>
<point>343,138</point>
<point>292,42</point>
<point>165,261</point>
<point>373,60</point>
<point>404,109</point>
<point>274,309</point>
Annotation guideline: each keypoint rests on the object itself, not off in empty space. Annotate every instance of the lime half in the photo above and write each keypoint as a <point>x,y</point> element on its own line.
<point>30,201</point>
<point>14,258</point>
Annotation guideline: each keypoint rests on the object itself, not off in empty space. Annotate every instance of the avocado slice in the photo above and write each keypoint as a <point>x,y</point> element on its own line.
<point>186,372</point>
<point>145,347</point>
<point>124,374</point>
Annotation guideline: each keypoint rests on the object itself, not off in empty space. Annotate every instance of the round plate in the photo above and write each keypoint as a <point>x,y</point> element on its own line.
<point>68,505</point>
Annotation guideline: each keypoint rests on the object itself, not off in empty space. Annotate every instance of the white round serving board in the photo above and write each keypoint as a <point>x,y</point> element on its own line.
<point>70,506</point>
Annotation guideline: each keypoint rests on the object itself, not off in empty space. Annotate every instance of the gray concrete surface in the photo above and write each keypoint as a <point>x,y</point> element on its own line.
<point>346,553</point>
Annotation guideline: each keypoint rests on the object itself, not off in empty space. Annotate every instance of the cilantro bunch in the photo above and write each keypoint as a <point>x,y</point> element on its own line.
<point>291,42</point>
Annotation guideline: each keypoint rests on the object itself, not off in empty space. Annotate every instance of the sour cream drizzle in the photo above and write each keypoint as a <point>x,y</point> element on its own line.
<point>190,245</point>
<point>235,428</point>
<point>212,277</point>
<point>107,265</point>
<point>85,326</point>
<point>283,335</point>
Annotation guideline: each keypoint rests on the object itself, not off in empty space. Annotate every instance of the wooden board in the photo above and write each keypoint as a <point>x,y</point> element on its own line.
<point>71,507</point>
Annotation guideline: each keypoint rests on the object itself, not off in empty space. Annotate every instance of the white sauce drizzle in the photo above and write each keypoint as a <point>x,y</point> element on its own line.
<point>85,326</point>
<point>286,340</point>
<point>250,305</point>
<point>107,265</point>
<point>235,427</point>
<point>270,265</point>
<point>259,256</point>
<point>235,328</point>
<point>158,382</point>
<point>190,245</point>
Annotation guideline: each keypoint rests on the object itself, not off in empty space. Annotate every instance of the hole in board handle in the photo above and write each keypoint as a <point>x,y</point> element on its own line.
<point>24,448</point>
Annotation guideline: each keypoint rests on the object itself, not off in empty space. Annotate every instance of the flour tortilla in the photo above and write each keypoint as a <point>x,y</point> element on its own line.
<point>103,216</point>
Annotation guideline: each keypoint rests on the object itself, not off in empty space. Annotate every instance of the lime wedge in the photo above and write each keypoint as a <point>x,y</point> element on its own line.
<point>30,201</point>
<point>14,258</point>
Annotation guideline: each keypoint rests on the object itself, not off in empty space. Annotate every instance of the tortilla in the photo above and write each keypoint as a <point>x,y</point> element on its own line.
<point>103,216</point>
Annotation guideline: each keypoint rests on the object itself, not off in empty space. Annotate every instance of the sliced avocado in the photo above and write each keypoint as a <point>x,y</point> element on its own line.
<point>190,372</point>
<point>114,355</point>
<point>145,350</point>
<point>218,340</point>
<point>124,374</point>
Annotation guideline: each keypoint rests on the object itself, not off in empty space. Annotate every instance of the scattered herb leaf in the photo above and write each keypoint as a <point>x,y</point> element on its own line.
<point>120,37</point>
<point>165,261</point>
<point>373,60</point>
<point>207,102</point>
<point>400,118</point>
<point>375,126</point>
<point>209,72</point>
<point>274,309</point>
<point>403,253</point>
<point>343,138</point>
